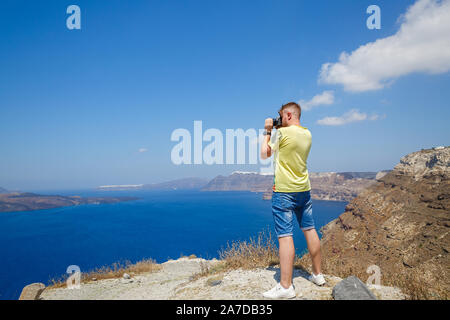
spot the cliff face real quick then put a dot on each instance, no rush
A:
(339, 186)
(400, 223)
(238, 181)
(335, 186)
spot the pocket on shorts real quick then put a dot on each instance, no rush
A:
(282, 210)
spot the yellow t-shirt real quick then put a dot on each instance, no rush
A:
(290, 147)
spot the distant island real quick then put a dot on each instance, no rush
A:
(179, 184)
(3, 190)
(332, 186)
(241, 181)
(26, 201)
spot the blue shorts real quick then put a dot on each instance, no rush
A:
(284, 205)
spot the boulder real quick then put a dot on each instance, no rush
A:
(352, 288)
(32, 291)
(380, 175)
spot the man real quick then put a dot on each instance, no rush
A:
(291, 194)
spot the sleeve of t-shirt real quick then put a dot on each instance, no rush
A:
(274, 142)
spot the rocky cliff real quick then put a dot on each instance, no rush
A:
(342, 186)
(240, 181)
(401, 223)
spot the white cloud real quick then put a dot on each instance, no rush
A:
(325, 98)
(422, 44)
(141, 150)
(351, 116)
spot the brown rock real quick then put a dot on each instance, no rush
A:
(32, 291)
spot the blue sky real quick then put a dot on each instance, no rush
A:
(76, 106)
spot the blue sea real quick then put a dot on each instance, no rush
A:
(36, 246)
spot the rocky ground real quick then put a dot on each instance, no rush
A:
(176, 281)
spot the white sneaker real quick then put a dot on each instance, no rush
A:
(278, 292)
(317, 279)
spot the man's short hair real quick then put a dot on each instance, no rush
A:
(292, 107)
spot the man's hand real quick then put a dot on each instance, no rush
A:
(268, 125)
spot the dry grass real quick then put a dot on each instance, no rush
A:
(255, 253)
(116, 270)
(416, 287)
(192, 256)
(301, 265)
(205, 270)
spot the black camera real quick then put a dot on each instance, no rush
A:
(277, 122)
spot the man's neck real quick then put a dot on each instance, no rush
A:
(294, 123)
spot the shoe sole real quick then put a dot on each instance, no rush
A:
(317, 284)
(291, 297)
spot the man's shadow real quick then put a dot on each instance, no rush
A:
(297, 272)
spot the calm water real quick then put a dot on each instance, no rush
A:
(36, 246)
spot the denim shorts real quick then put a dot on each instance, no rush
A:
(284, 205)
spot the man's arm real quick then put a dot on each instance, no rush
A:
(266, 151)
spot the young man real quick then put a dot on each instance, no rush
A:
(291, 195)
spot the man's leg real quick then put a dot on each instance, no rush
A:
(312, 239)
(287, 255)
